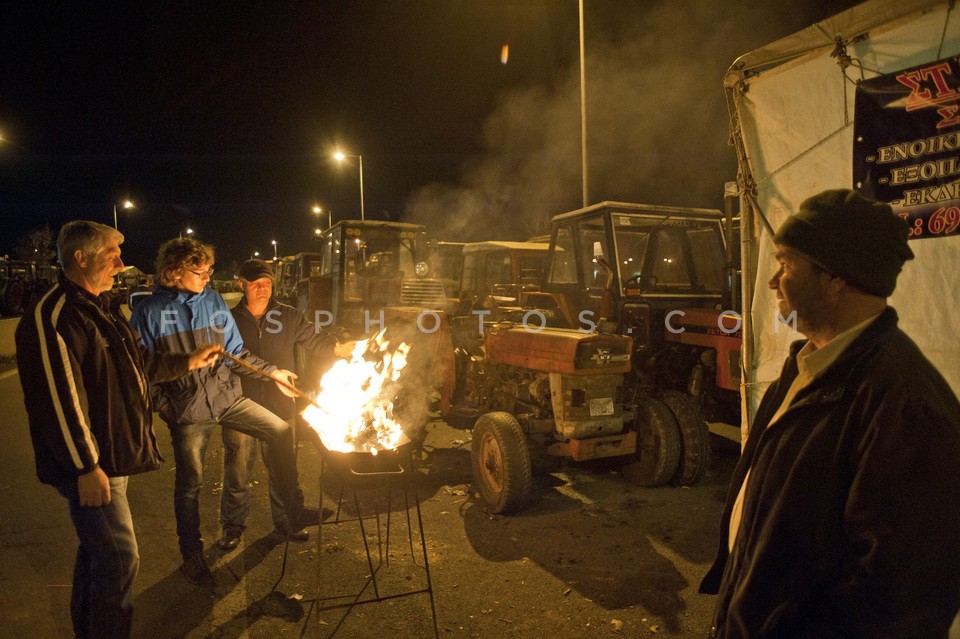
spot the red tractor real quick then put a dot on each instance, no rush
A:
(628, 343)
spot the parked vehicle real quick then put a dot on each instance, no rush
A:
(362, 268)
(496, 273)
(620, 352)
(369, 275)
(447, 261)
(22, 282)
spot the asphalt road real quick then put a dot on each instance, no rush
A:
(592, 557)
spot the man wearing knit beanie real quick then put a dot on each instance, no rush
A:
(843, 516)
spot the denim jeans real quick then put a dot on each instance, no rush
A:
(239, 456)
(101, 603)
(190, 447)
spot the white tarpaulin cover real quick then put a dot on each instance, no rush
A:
(792, 119)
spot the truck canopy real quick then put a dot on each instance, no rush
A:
(791, 109)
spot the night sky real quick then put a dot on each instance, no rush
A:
(221, 116)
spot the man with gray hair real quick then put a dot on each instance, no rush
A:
(843, 515)
(85, 379)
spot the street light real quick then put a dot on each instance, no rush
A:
(318, 211)
(583, 112)
(127, 204)
(274, 242)
(189, 232)
(340, 156)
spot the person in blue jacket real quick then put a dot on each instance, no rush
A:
(182, 312)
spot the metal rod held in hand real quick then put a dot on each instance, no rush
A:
(267, 376)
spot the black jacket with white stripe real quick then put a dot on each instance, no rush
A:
(84, 375)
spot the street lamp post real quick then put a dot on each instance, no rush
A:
(318, 211)
(583, 112)
(340, 156)
(127, 204)
(188, 231)
(274, 242)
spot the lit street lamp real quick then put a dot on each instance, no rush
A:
(127, 204)
(274, 242)
(339, 156)
(318, 211)
(188, 233)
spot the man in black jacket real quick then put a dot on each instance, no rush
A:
(843, 516)
(85, 380)
(273, 331)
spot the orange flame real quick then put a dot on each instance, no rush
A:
(355, 398)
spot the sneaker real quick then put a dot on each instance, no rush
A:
(195, 569)
(229, 541)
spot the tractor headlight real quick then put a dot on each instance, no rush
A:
(421, 269)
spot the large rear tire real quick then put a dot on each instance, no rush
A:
(501, 462)
(694, 438)
(658, 445)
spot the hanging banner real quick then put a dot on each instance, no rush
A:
(906, 148)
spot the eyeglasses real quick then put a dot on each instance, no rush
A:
(208, 272)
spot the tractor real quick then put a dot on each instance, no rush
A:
(624, 348)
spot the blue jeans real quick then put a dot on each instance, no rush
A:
(239, 456)
(190, 447)
(101, 603)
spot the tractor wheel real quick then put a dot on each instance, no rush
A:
(694, 438)
(501, 462)
(658, 445)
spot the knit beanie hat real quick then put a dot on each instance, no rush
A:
(852, 237)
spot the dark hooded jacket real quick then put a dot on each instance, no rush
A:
(275, 337)
(851, 518)
(85, 379)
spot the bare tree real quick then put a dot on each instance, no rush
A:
(37, 245)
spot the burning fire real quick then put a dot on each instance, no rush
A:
(354, 411)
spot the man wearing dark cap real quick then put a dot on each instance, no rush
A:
(843, 517)
(272, 331)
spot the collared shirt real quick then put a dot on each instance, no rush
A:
(811, 362)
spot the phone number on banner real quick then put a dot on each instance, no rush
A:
(942, 222)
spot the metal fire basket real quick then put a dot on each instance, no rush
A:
(364, 473)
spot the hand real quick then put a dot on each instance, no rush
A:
(204, 355)
(286, 377)
(344, 350)
(94, 488)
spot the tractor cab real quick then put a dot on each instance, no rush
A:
(363, 267)
(660, 275)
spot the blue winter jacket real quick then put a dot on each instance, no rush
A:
(175, 321)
